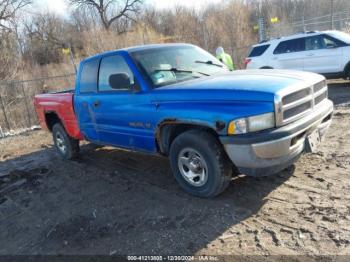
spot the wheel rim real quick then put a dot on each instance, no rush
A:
(193, 167)
(60, 142)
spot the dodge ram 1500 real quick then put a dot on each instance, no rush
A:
(179, 101)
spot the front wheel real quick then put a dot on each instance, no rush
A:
(200, 164)
(66, 146)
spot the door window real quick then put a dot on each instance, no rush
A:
(329, 42)
(315, 43)
(332, 42)
(113, 65)
(290, 46)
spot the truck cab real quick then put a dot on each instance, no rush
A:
(179, 101)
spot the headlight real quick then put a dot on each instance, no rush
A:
(251, 124)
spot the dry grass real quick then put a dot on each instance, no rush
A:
(18, 105)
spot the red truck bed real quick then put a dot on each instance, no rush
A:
(61, 105)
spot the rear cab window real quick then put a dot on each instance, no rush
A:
(290, 46)
(88, 76)
(258, 50)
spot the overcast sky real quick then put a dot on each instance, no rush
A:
(60, 6)
(56, 6)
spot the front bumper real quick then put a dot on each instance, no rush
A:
(266, 153)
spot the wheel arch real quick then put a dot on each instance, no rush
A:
(347, 70)
(52, 118)
(169, 129)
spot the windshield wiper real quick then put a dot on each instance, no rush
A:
(208, 63)
(180, 71)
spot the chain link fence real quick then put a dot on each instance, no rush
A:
(16, 101)
(337, 21)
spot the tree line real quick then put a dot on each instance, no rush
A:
(38, 40)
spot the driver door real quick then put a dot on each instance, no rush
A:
(122, 112)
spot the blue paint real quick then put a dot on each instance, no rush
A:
(130, 119)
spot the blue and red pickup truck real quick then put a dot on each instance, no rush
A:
(179, 101)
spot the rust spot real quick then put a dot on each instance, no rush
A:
(220, 125)
(165, 122)
(159, 133)
(168, 121)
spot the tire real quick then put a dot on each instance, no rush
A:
(347, 72)
(66, 146)
(266, 67)
(199, 164)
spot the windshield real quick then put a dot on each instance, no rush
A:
(173, 64)
(341, 36)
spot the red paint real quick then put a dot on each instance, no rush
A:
(62, 105)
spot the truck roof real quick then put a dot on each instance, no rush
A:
(153, 46)
(137, 48)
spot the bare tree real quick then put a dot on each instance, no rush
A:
(111, 11)
(45, 36)
(9, 58)
(8, 55)
(8, 10)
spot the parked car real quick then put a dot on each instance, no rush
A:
(326, 53)
(178, 101)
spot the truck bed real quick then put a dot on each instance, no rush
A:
(59, 104)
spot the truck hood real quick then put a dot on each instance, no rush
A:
(243, 85)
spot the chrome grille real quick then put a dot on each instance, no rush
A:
(320, 98)
(293, 103)
(295, 96)
(296, 110)
(319, 86)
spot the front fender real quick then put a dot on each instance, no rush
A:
(214, 115)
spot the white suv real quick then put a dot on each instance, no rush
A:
(326, 53)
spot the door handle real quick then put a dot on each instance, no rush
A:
(311, 54)
(96, 103)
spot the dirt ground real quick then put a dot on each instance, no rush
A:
(116, 202)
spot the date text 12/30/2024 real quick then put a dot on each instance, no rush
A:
(172, 258)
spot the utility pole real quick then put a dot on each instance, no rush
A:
(332, 14)
(304, 27)
(261, 24)
(262, 31)
(204, 32)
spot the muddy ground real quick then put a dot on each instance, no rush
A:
(116, 202)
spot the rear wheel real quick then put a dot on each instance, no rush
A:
(200, 164)
(66, 146)
(346, 75)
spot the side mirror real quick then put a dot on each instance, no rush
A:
(119, 81)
